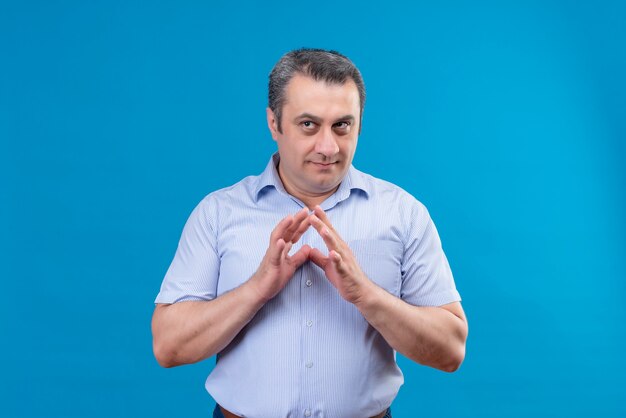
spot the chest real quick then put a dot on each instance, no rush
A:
(374, 239)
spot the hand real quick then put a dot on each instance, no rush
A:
(340, 266)
(277, 266)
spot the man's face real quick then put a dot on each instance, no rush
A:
(320, 126)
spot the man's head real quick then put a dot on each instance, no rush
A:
(321, 65)
(314, 115)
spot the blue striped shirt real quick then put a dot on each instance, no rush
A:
(308, 352)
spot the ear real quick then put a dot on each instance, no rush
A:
(272, 123)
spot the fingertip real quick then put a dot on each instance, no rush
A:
(306, 250)
(299, 214)
(316, 257)
(286, 221)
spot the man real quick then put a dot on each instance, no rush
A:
(308, 324)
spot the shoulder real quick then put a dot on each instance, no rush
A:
(239, 192)
(399, 211)
(222, 202)
(389, 194)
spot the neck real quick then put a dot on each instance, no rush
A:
(309, 199)
(311, 202)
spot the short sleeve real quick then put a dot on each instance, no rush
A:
(426, 276)
(194, 271)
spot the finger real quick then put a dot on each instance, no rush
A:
(300, 256)
(297, 220)
(285, 252)
(326, 234)
(318, 258)
(322, 216)
(319, 212)
(280, 229)
(304, 225)
(275, 251)
(337, 261)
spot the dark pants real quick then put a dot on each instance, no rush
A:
(218, 414)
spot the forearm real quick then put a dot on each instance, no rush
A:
(188, 332)
(432, 336)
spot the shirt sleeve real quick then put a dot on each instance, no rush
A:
(194, 271)
(426, 276)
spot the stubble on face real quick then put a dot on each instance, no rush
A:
(320, 127)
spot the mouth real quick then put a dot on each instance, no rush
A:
(323, 165)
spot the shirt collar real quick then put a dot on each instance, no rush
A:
(354, 180)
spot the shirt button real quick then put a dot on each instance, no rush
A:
(309, 364)
(309, 283)
(309, 323)
(307, 413)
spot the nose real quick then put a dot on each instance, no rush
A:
(326, 143)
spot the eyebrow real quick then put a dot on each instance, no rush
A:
(308, 116)
(317, 119)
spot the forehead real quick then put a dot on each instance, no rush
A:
(304, 94)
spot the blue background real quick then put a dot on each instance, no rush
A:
(507, 120)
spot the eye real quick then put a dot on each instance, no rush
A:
(342, 126)
(308, 125)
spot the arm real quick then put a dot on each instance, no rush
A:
(433, 336)
(188, 332)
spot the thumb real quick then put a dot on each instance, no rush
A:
(318, 258)
(300, 256)
(275, 251)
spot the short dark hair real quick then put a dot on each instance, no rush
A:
(320, 64)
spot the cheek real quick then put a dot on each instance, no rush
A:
(348, 147)
(294, 154)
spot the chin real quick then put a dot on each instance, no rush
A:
(326, 186)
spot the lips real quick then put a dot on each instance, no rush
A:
(323, 166)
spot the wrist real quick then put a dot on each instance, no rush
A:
(254, 291)
(368, 295)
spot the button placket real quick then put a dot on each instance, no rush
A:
(307, 312)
